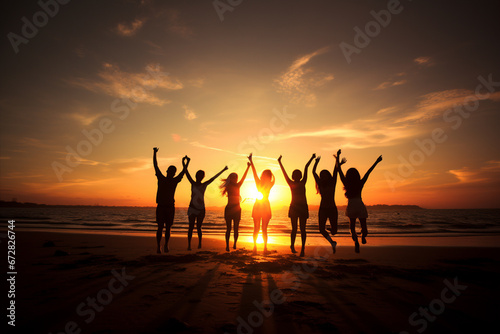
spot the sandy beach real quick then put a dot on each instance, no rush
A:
(99, 283)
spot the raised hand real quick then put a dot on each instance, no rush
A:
(225, 169)
(250, 157)
(379, 159)
(318, 158)
(313, 156)
(338, 152)
(344, 160)
(248, 164)
(279, 159)
(155, 149)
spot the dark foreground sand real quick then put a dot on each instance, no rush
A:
(95, 283)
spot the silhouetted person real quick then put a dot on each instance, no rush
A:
(298, 210)
(325, 186)
(353, 185)
(165, 210)
(196, 210)
(262, 208)
(232, 212)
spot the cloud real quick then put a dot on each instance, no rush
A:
(484, 174)
(358, 134)
(388, 110)
(130, 29)
(189, 113)
(198, 83)
(197, 144)
(176, 25)
(37, 143)
(388, 84)
(434, 104)
(423, 61)
(388, 127)
(176, 137)
(84, 116)
(297, 83)
(135, 86)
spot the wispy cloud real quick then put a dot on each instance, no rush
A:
(388, 110)
(298, 82)
(486, 173)
(84, 115)
(433, 105)
(423, 61)
(37, 143)
(358, 134)
(176, 25)
(176, 137)
(388, 84)
(130, 29)
(197, 144)
(189, 113)
(135, 86)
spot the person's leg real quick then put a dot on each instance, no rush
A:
(293, 233)
(236, 233)
(256, 228)
(228, 232)
(191, 220)
(334, 218)
(159, 231)
(265, 222)
(322, 218)
(364, 230)
(168, 225)
(352, 227)
(303, 236)
(160, 217)
(199, 223)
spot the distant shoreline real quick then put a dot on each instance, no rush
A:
(13, 204)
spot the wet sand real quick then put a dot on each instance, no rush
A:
(100, 283)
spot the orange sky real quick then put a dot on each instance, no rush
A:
(84, 102)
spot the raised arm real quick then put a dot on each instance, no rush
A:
(287, 179)
(336, 168)
(363, 180)
(185, 164)
(339, 167)
(155, 162)
(244, 175)
(316, 177)
(185, 168)
(255, 176)
(304, 177)
(216, 176)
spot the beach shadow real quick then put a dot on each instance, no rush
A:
(175, 319)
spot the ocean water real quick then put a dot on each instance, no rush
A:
(390, 222)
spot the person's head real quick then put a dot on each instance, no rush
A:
(200, 175)
(171, 171)
(296, 175)
(352, 182)
(267, 176)
(324, 178)
(231, 179)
